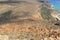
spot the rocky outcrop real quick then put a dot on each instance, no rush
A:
(56, 14)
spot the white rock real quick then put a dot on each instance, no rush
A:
(46, 38)
(58, 38)
(51, 38)
(4, 37)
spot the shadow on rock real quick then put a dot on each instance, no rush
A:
(6, 17)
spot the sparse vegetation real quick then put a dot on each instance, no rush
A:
(45, 12)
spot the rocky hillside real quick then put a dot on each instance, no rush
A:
(20, 11)
(27, 21)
